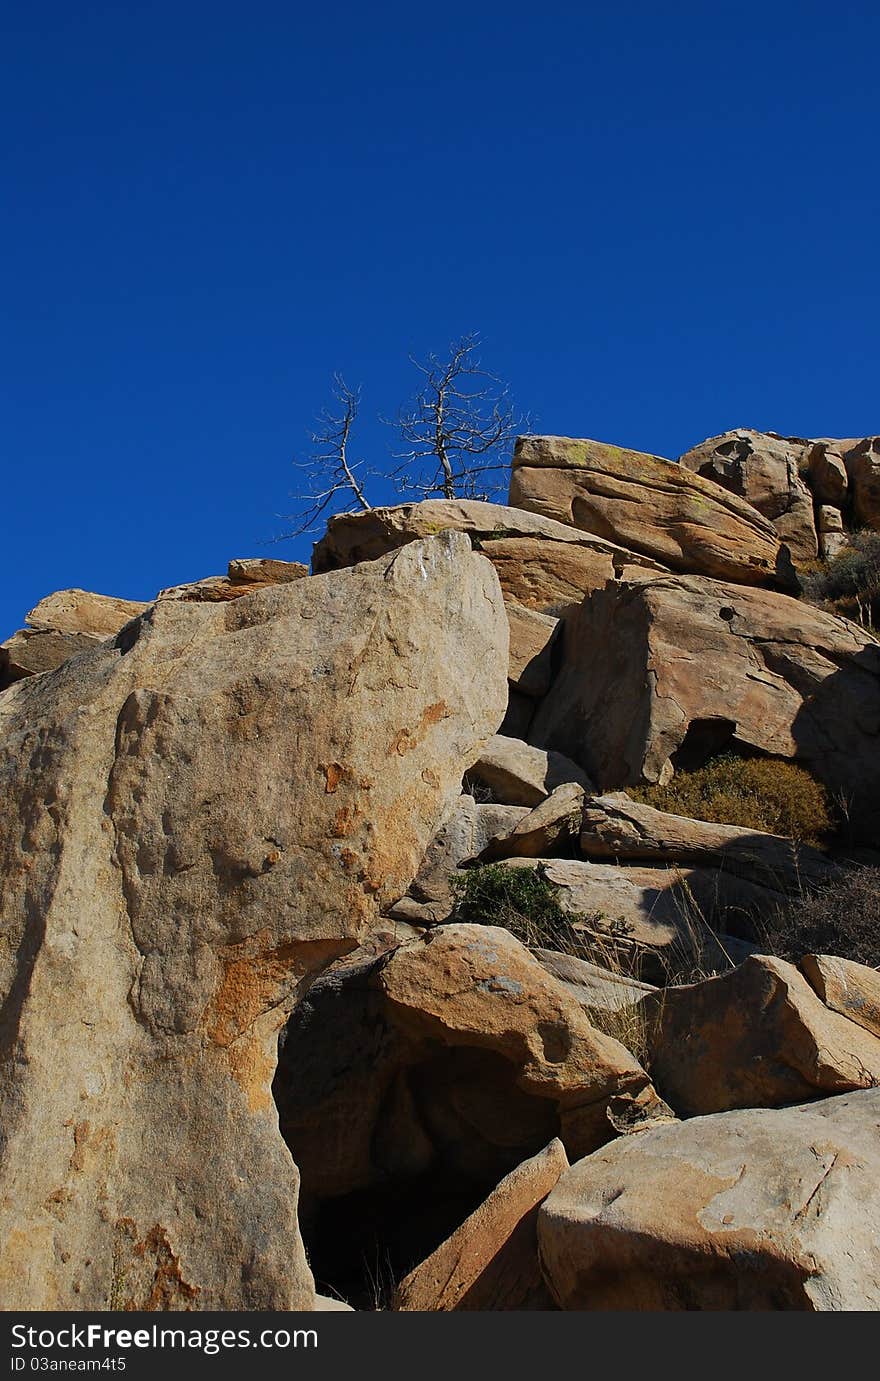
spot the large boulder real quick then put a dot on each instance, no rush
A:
(846, 987)
(764, 469)
(615, 826)
(198, 815)
(519, 774)
(709, 1053)
(648, 505)
(33, 650)
(761, 1209)
(453, 1055)
(657, 922)
(654, 673)
(826, 471)
(81, 611)
(863, 469)
(491, 1261)
(243, 577)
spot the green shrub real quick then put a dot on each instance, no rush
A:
(520, 899)
(850, 584)
(767, 794)
(841, 918)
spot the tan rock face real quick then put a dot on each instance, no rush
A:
(521, 775)
(863, 469)
(549, 828)
(80, 611)
(763, 469)
(194, 820)
(653, 670)
(243, 577)
(532, 635)
(456, 1054)
(649, 917)
(32, 650)
(761, 1209)
(846, 987)
(710, 1054)
(548, 574)
(648, 505)
(597, 989)
(616, 826)
(491, 1261)
(827, 471)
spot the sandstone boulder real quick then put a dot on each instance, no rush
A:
(521, 775)
(710, 1053)
(532, 635)
(466, 831)
(826, 471)
(491, 1261)
(32, 650)
(763, 469)
(648, 505)
(683, 667)
(656, 922)
(846, 987)
(863, 469)
(195, 819)
(551, 827)
(455, 1055)
(762, 1210)
(615, 826)
(599, 990)
(81, 611)
(243, 577)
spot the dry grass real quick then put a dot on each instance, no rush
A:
(842, 918)
(767, 794)
(850, 584)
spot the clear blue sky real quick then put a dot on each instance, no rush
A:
(663, 219)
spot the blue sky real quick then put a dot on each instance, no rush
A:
(662, 220)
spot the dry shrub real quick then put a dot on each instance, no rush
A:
(767, 794)
(850, 584)
(841, 918)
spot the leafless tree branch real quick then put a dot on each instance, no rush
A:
(330, 475)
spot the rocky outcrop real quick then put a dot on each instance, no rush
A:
(81, 611)
(33, 650)
(615, 826)
(454, 1055)
(863, 470)
(648, 505)
(243, 577)
(551, 827)
(683, 665)
(658, 921)
(763, 469)
(846, 987)
(198, 815)
(826, 471)
(757, 1210)
(598, 990)
(521, 775)
(465, 833)
(532, 635)
(710, 1054)
(491, 1261)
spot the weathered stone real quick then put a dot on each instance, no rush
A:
(846, 987)
(547, 574)
(657, 921)
(454, 1055)
(597, 989)
(530, 667)
(761, 1210)
(521, 775)
(615, 826)
(553, 825)
(827, 474)
(467, 829)
(763, 469)
(828, 519)
(648, 505)
(243, 577)
(32, 650)
(196, 817)
(863, 468)
(833, 544)
(81, 611)
(710, 1054)
(491, 1261)
(682, 666)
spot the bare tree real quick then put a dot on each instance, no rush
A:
(331, 474)
(457, 429)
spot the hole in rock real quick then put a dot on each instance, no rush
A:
(705, 739)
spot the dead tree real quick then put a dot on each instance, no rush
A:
(457, 430)
(331, 476)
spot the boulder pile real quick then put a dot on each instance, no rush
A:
(342, 921)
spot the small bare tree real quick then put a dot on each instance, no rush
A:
(331, 474)
(458, 428)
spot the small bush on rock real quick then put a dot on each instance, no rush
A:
(842, 918)
(850, 584)
(767, 794)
